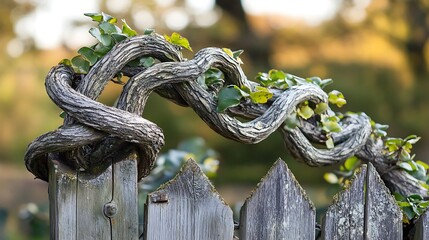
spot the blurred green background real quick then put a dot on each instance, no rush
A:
(376, 51)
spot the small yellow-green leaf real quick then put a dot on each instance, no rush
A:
(178, 40)
(305, 111)
(321, 108)
(261, 95)
(329, 143)
(423, 164)
(127, 30)
(330, 178)
(228, 51)
(80, 65)
(337, 98)
(97, 17)
(351, 163)
(66, 62)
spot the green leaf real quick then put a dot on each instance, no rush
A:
(109, 28)
(337, 98)
(275, 74)
(261, 95)
(80, 65)
(351, 163)
(147, 61)
(127, 30)
(106, 40)
(405, 166)
(97, 17)
(118, 37)
(235, 55)
(108, 18)
(305, 111)
(88, 54)
(228, 97)
(330, 178)
(178, 40)
(329, 143)
(95, 32)
(423, 164)
(399, 197)
(321, 108)
(63, 114)
(101, 50)
(148, 31)
(330, 124)
(66, 62)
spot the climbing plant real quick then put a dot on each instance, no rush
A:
(213, 84)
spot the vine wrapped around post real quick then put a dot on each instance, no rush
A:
(93, 133)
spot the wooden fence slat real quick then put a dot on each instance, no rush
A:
(186, 208)
(344, 219)
(125, 196)
(422, 227)
(383, 215)
(278, 208)
(92, 194)
(364, 210)
(62, 201)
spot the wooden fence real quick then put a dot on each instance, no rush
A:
(188, 207)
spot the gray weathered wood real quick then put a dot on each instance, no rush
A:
(93, 192)
(344, 219)
(188, 208)
(383, 217)
(278, 208)
(364, 210)
(62, 201)
(125, 195)
(84, 206)
(422, 227)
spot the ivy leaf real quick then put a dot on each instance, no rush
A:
(330, 178)
(275, 74)
(101, 50)
(405, 166)
(337, 98)
(88, 54)
(423, 164)
(66, 62)
(109, 28)
(228, 97)
(97, 17)
(80, 65)
(178, 40)
(235, 55)
(351, 163)
(305, 111)
(321, 108)
(106, 40)
(329, 143)
(108, 18)
(118, 37)
(261, 95)
(127, 30)
(148, 31)
(95, 32)
(147, 62)
(330, 124)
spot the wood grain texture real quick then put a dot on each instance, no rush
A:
(383, 217)
(188, 208)
(422, 227)
(62, 201)
(344, 219)
(364, 210)
(278, 208)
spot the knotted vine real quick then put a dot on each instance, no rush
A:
(213, 84)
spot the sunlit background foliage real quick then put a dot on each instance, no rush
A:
(376, 51)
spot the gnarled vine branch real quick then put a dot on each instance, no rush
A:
(93, 133)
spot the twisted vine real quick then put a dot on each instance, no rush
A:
(94, 135)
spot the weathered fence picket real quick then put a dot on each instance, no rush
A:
(278, 208)
(365, 210)
(88, 206)
(84, 206)
(188, 207)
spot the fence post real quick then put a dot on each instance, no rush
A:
(85, 206)
(188, 207)
(278, 208)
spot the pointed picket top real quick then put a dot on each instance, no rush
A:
(364, 210)
(384, 217)
(278, 208)
(344, 219)
(188, 207)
